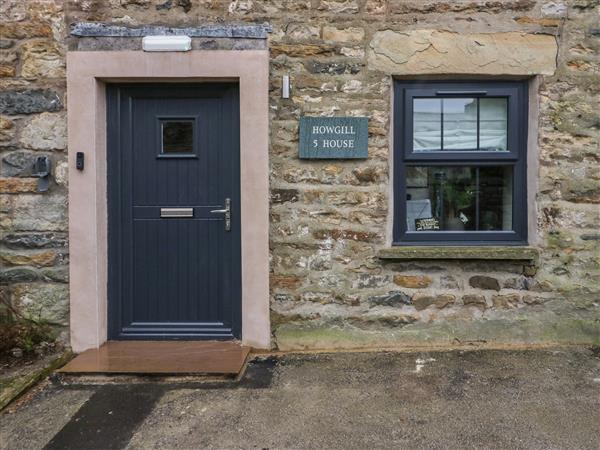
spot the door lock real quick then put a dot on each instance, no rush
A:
(227, 212)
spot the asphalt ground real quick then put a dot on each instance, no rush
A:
(483, 399)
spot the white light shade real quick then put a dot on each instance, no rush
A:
(167, 43)
(285, 87)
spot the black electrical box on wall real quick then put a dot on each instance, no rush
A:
(79, 157)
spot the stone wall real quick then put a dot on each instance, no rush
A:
(329, 219)
(34, 253)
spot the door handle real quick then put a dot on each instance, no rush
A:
(227, 212)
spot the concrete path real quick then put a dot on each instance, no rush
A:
(546, 399)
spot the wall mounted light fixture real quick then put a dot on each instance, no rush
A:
(285, 87)
(166, 43)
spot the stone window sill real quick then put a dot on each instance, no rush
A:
(496, 253)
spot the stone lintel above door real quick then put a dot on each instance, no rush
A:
(91, 36)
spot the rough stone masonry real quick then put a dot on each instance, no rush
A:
(329, 219)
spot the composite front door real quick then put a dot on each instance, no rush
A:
(173, 211)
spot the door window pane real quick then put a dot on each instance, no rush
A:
(459, 198)
(427, 124)
(460, 123)
(177, 136)
(493, 124)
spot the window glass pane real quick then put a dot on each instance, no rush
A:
(427, 124)
(493, 124)
(177, 136)
(460, 123)
(459, 198)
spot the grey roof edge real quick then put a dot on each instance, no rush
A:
(247, 31)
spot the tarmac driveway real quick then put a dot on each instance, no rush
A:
(542, 399)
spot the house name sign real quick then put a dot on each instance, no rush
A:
(334, 138)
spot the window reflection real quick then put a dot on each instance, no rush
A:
(493, 117)
(427, 126)
(460, 124)
(460, 198)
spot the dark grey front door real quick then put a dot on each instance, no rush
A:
(173, 211)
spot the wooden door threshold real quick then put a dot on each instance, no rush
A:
(161, 357)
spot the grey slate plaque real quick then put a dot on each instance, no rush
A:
(334, 138)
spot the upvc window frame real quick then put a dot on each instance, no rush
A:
(516, 156)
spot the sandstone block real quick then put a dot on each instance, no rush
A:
(413, 281)
(46, 132)
(581, 190)
(368, 217)
(516, 283)
(362, 236)
(505, 301)
(385, 320)
(14, 30)
(541, 286)
(29, 101)
(375, 6)
(544, 22)
(300, 50)
(241, 7)
(18, 185)
(323, 298)
(300, 31)
(61, 173)
(444, 300)
(484, 282)
(352, 34)
(533, 299)
(339, 6)
(7, 70)
(42, 60)
(8, 57)
(352, 86)
(369, 174)
(474, 300)
(285, 281)
(43, 301)
(32, 258)
(443, 52)
(7, 129)
(347, 198)
(298, 5)
(423, 301)
(352, 52)
(448, 6)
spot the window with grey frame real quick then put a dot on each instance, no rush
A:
(460, 163)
